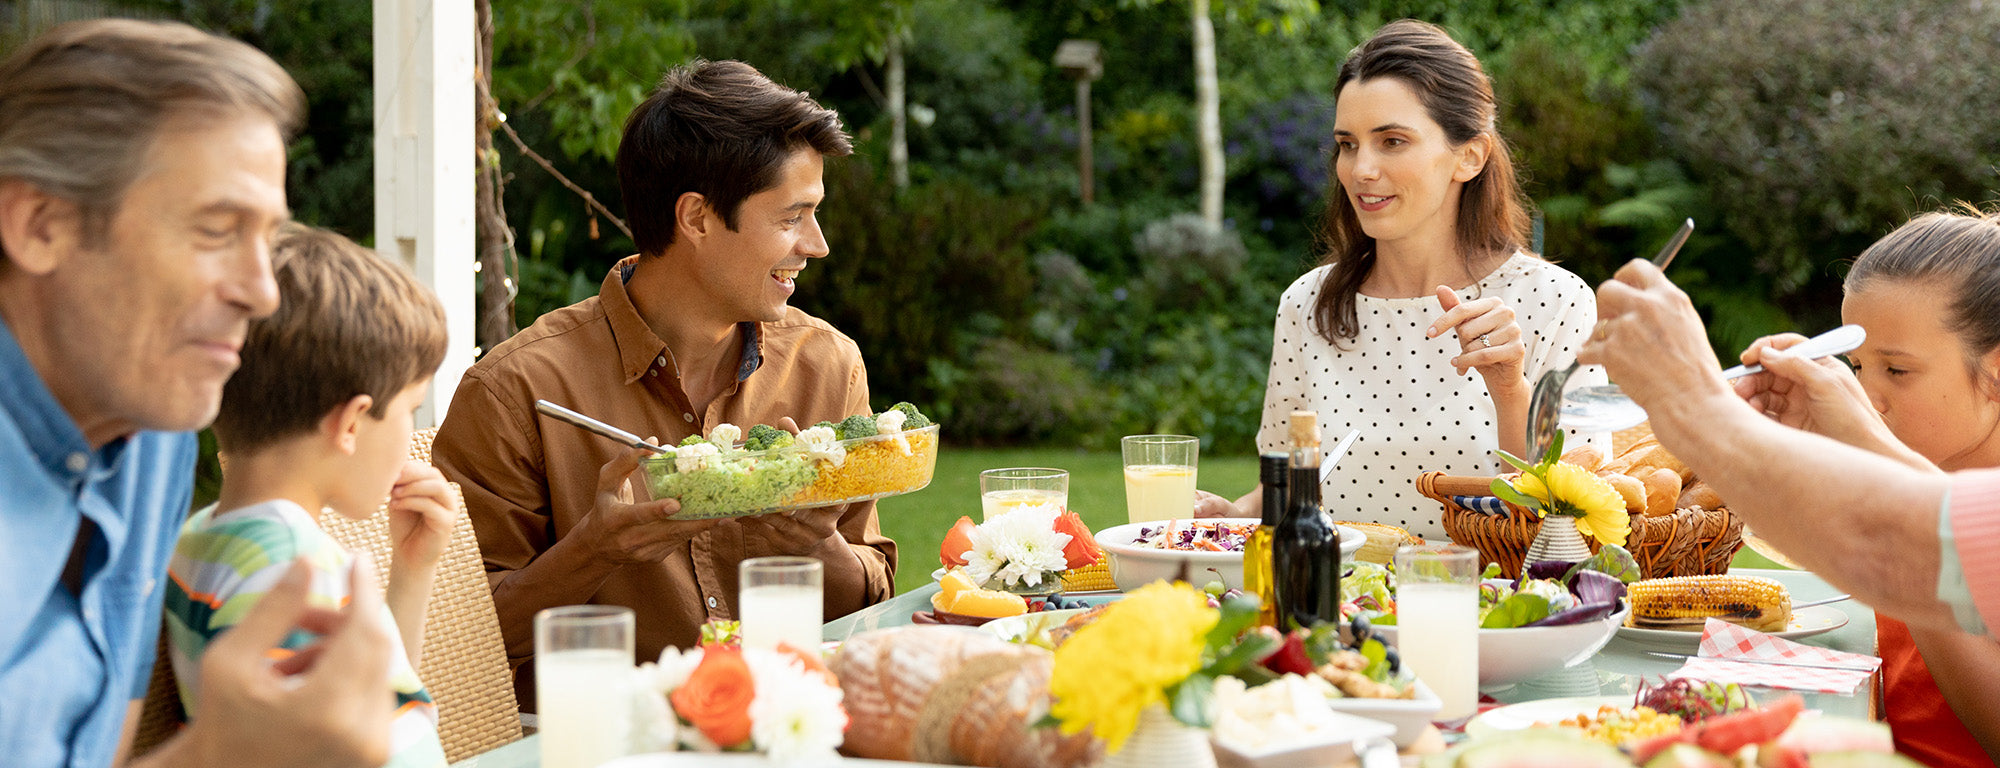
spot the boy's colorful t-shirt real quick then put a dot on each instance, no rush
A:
(225, 563)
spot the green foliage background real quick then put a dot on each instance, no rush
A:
(1794, 131)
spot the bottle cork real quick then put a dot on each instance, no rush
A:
(1304, 430)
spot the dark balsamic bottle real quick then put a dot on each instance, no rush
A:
(1305, 550)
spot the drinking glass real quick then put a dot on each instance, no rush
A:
(778, 601)
(583, 694)
(1159, 476)
(1005, 490)
(1437, 617)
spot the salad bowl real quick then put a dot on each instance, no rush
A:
(1136, 563)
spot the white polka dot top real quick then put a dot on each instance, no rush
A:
(1415, 413)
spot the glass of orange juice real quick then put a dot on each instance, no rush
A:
(1005, 490)
(1159, 476)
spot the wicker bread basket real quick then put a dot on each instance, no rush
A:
(1689, 542)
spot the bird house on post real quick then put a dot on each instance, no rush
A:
(1082, 61)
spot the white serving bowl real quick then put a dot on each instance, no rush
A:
(1410, 716)
(1509, 656)
(1332, 745)
(1134, 566)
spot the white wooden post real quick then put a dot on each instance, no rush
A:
(423, 164)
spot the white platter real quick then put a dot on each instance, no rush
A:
(1806, 622)
(1515, 717)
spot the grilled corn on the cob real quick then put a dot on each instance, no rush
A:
(1686, 602)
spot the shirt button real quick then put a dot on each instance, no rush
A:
(655, 373)
(687, 417)
(659, 361)
(90, 614)
(711, 602)
(150, 584)
(77, 462)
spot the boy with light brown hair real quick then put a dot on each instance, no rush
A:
(319, 418)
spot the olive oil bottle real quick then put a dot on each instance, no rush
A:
(1258, 578)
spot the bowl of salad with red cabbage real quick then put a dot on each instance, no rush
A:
(1556, 615)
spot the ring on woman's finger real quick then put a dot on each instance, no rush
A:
(1484, 341)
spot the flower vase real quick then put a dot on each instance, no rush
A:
(1557, 540)
(1159, 740)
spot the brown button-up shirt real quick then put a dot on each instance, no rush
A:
(529, 479)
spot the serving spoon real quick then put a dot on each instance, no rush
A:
(1544, 405)
(1605, 407)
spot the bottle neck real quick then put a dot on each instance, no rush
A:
(1302, 491)
(1305, 457)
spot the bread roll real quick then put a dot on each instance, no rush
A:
(1632, 489)
(1663, 490)
(1585, 456)
(1655, 456)
(1698, 494)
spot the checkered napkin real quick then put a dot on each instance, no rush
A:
(1773, 662)
(1485, 505)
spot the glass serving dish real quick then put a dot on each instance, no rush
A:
(738, 483)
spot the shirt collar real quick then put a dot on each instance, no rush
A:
(639, 349)
(48, 429)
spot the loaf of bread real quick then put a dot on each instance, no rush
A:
(952, 695)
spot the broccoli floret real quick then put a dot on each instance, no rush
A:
(828, 425)
(764, 436)
(915, 420)
(693, 440)
(858, 425)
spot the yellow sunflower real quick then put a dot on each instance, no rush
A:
(1128, 658)
(1562, 488)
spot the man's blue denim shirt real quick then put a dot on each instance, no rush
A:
(70, 664)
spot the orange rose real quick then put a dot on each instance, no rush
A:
(716, 697)
(1082, 549)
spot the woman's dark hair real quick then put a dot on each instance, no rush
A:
(1957, 252)
(1456, 94)
(720, 129)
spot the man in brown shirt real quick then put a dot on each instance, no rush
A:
(721, 174)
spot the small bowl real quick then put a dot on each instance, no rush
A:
(1410, 716)
(1509, 656)
(1331, 745)
(1134, 566)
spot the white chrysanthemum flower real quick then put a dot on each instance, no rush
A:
(693, 458)
(795, 715)
(1020, 547)
(674, 667)
(725, 435)
(654, 725)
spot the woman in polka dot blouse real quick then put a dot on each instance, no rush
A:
(1426, 283)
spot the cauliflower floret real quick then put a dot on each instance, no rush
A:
(725, 435)
(890, 422)
(693, 458)
(822, 444)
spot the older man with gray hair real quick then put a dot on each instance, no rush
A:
(142, 170)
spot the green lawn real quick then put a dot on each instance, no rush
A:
(918, 521)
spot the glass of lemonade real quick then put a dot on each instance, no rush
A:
(583, 672)
(778, 601)
(1004, 490)
(1159, 476)
(1437, 612)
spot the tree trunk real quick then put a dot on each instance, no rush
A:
(899, 114)
(1208, 115)
(496, 239)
